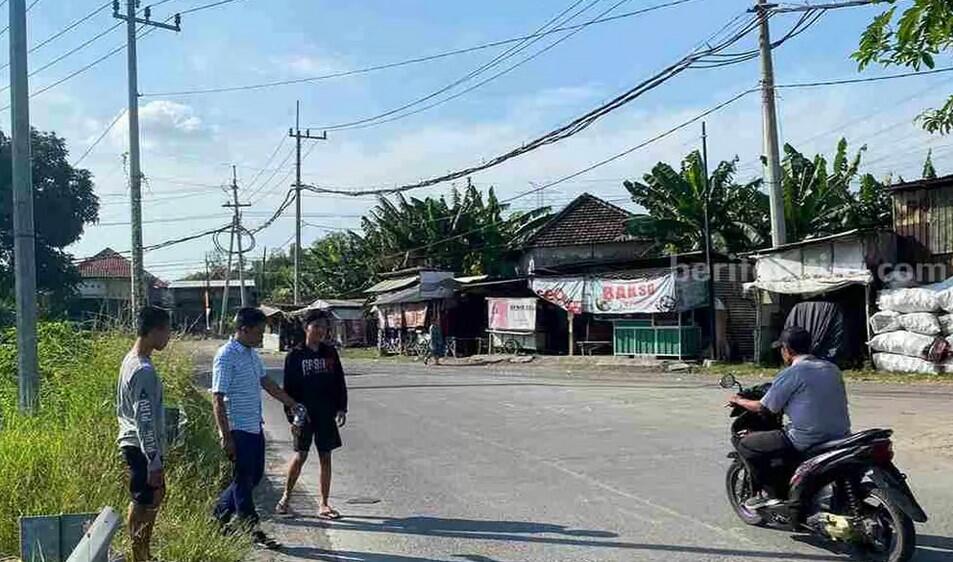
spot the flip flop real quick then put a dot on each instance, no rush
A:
(284, 509)
(262, 540)
(330, 515)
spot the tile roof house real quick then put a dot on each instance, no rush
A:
(588, 229)
(106, 285)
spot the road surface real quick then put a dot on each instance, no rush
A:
(495, 464)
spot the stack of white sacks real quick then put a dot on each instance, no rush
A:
(910, 329)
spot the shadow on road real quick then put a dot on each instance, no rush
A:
(931, 548)
(534, 384)
(513, 531)
(307, 553)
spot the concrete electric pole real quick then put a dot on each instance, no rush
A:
(237, 234)
(24, 235)
(772, 152)
(140, 294)
(296, 134)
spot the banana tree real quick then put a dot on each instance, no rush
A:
(675, 204)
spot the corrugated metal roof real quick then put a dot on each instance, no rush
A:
(270, 311)
(336, 303)
(471, 279)
(389, 285)
(348, 313)
(413, 294)
(214, 283)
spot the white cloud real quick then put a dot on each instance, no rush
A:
(165, 125)
(307, 65)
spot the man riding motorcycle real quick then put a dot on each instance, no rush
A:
(810, 391)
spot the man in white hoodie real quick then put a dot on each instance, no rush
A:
(142, 438)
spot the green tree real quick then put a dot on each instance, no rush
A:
(929, 172)
(467, 234)
(674, 201)
(64, 203)
(337, 266)
(913, 39)
(817, 201)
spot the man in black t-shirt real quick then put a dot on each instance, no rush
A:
(314, 377)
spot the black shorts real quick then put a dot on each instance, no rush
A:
(322, 431)
(138, 467)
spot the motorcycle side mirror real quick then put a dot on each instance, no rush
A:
(728, 381)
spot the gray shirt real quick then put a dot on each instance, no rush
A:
(139, 409)
(811, 392)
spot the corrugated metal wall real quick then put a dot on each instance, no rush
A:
(923, 219)
(741, 308)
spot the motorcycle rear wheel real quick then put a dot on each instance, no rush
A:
(738, 486)
(899, 536)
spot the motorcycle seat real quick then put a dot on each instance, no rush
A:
(849, 441)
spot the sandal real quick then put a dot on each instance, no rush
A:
(282, 508)
(330, 515)
(262, 540)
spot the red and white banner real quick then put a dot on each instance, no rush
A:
(565, 292)
(650, 295)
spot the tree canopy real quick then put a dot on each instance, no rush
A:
(820, 198)
(913, 38)
(469, 232)
(64, 203)
(674, 201)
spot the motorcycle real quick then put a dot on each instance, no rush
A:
(847, 491)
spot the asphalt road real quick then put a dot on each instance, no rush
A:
(505, 465)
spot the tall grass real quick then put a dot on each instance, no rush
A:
(65, 460)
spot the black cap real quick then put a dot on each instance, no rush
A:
(796, 338)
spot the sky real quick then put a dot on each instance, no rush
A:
(191, 142)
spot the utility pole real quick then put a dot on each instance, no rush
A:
(237, 234)
(261, 274)
(24, 235)
(712, 321)
(772, 152)
(296, 134)
(208, 297)
(228, 276)
(139, 293)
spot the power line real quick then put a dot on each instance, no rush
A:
(84, 68)
(205, 7)
(28, 8)
(862, 80)
(99, 139)
(406, 62)
(495, 61)
(599, 164)
(65, 30)
(573, 127)
(114, 51)
(264, 168)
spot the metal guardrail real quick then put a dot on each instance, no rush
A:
(81, 537)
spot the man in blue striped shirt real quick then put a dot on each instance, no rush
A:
(238, 376)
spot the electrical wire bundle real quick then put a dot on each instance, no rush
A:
(704, 57)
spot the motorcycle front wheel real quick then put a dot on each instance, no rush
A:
(738, 486)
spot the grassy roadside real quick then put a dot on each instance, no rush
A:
(746, 372)
(65, 460)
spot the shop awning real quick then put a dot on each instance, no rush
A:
(389, 285)
(348, 313)
(814, 267)
(415, 294)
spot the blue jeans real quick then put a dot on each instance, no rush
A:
(247, 471)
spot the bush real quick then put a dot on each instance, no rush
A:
(65, 460)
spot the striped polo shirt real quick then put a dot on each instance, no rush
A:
(236, 373)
